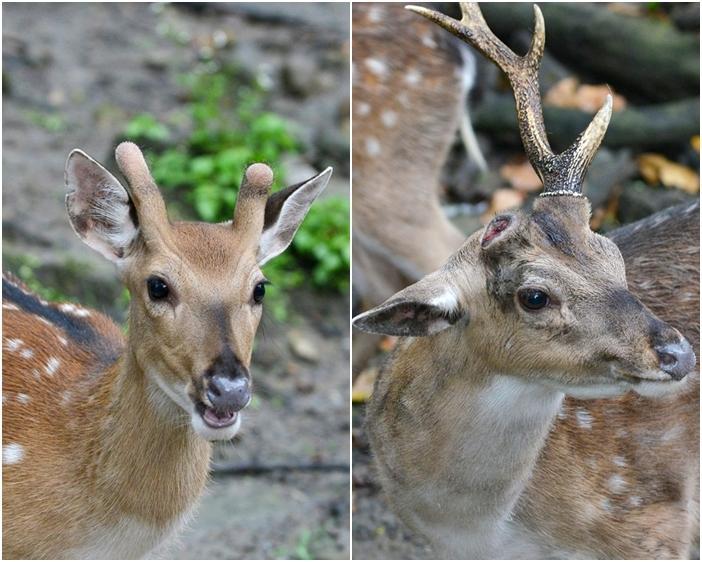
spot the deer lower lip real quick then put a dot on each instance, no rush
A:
(216, 419)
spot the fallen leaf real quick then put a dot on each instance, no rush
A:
(695, 142)
(363, 386)
(521, 176)
(502, 200)
(568, 92)
(387, 343)
(655, 168)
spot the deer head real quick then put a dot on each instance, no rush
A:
(196, 288)
(538, 294)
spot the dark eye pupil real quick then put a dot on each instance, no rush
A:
(259, 292)
(533, 299)
(158, 289)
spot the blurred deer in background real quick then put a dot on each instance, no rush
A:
(410, 88)
(409, 95)
(106, 441)
(505, 426)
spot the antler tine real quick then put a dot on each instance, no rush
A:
(561, 174)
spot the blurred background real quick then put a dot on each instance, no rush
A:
(646, 55)
(205, 89)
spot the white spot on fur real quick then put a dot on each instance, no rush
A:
(362, 108)
(584, 418)
(634, 501)
(619, 460)
(372, 146)
(446, 300)
(376, 66)
(616, 483)
(23, 398)
(606, 505)
(375, 14)
(413, 77)
(9, 306)
(13, 344)
(389, 118)
(673, 433)
(12, 453)
(27, 353)
(62, 340)
(45, 321)
(428, 41)
(51, 365)
(69, 308)
(562, 412)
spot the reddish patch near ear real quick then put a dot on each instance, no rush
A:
(496, 227)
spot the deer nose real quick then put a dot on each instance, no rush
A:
(677, 359)
(228, 393)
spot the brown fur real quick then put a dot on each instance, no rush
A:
(559, 484)
(105, 442)
(400, 231)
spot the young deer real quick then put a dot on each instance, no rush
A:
(106, 441)
(504, 427)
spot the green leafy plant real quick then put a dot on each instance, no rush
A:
(228, 129)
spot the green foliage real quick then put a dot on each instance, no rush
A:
(228, 129)
(52, 122)
(25, 266)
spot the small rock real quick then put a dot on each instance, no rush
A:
(300, 75)
(303, 346)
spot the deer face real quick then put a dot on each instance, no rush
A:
(197, 289)
(543, 297)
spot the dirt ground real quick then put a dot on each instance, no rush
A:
(73, 74)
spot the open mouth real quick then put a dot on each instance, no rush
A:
(216, 419)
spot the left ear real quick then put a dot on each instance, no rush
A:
(285, 211)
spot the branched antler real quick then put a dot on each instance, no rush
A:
(562, 174)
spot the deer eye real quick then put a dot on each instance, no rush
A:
(259, 292)
(533, 299)
(158, 289)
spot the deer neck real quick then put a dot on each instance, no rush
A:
(472, 433)
(148, 463)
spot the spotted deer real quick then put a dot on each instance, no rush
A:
(410, 83)
(541, 403)
(106, 439)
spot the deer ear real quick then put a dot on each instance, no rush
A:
(99, 208)
(423, 309)
(498, 229)
(285, 211)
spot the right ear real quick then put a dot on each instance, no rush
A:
(99, 208)
(423, 309)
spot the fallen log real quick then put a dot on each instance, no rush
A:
(651, 127)
(641, 58)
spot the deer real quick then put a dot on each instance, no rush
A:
(106, 438)
(542, 400)
(401, 85)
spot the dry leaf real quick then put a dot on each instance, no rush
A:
(655, 168)
(568, 92)
(387, 343)
(502, 200)
(521, 176)
(695, 142)
(363, 386)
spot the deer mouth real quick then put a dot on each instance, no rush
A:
(214, 418)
